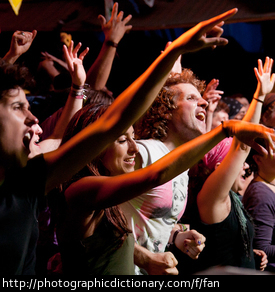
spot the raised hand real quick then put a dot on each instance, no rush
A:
(212, 95)
(248, 132)
(75, 63)
(116, 27)
(197, 37)
(20, 43)
(264, 77)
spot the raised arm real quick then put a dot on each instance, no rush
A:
(73, 103)
(20, 43)
(264, 86)
(114, 31)
(212, 96)
(213, 197)
(129, 105)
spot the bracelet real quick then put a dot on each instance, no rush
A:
(225, 130)
(77, 93)
(77, 87)
(175, 235)
(258, 99)
(111, 44)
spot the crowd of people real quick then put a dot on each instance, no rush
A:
(169, 177)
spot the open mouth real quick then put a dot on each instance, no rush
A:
(27, 140)
(201, 116)
(130, 160)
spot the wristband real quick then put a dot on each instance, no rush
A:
(77, 87)
(111, 44)
(258, 99)
(175, 235)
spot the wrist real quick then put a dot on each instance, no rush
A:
(225, 129)
(77, 91)
(110, 43)
(10, 57)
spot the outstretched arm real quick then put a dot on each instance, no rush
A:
(114, 31)
(99, 192)
(130, 104)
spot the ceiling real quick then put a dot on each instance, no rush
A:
(81, 15)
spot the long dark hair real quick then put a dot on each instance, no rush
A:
(85, 116)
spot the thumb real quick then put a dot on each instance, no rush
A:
(102, 20)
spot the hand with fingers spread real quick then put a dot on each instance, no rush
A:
(20, 43)
(116, 27)
(265, 79)
(75, 63)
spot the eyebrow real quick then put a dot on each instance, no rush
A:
(21, 103)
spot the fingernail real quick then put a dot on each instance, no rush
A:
(199, 242)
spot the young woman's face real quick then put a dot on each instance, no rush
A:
(119, 157)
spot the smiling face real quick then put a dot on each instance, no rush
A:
(15, 128)
(188, 119)
(119, 157)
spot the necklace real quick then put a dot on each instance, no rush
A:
(266, 181)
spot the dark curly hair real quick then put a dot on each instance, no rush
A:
(13, 77)
(154, 123)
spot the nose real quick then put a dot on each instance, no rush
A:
(245, 165)
(133, 147)
(37, 129)
(31, 119)
(203, 103)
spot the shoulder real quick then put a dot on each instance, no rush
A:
(151, 150)
(258, 197)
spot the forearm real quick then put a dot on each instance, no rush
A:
(188, 154)
(71, 107)
(98, 74)
(263, 240)
(10, 58)
(209, 119)
(253, 114)
(142, 256)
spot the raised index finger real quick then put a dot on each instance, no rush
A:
(210, 23)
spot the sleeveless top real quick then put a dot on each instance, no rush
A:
(99, 254)
(224, 244)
